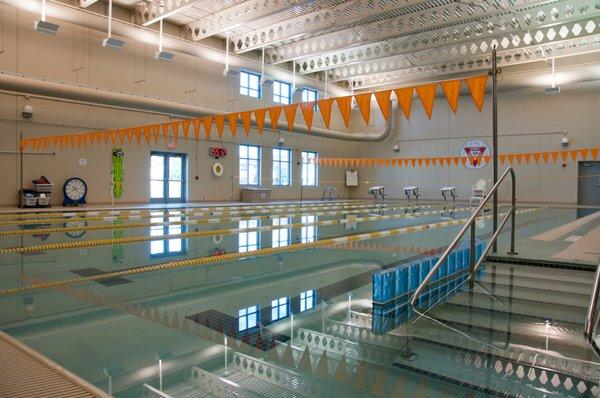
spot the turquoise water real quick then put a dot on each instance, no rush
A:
(119, 328)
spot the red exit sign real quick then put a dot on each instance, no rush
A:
(217, 152)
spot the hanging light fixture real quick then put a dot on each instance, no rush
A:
(110, 42)
(43, 26)
(162, 55)
(554, 89)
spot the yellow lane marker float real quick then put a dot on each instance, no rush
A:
(234, 256)
(195, 234)
(100, 227)
(76, 213)
(112, 218)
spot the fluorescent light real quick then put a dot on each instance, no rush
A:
(112, 43)
(231, 72)
(44, 27)
(554, 89)
(163, 56)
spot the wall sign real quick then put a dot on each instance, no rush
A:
(217, 152)
(475, 149)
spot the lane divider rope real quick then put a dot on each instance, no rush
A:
(221, 220)
(199, 261)
(195, 234)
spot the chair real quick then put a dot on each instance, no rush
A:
(478, 193)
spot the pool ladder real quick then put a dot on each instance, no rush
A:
(329, 192)
(592, 314)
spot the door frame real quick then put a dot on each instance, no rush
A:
(165, 198)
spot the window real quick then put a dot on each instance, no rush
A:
(282, 92)
(250, 84)
(250, 240)
(249, 165)
(280, 236)
(248, 318)
(308, 300)
(309, 95)
(167, 177)
(282, 161)
(280, 308)
(166, 247)
(310, 174)
(309, 232)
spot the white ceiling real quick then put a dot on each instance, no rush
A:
(370, 43)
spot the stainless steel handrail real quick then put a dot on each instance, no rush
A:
(590, 320)
(330, 189)
(471, 225)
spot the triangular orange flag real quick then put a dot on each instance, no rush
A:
(274, 113)
(307, 109)
(594, 152)
(545, 156)
(290, 115)
(584, 153)
(518, 157)
(426, 94)
(456, 159)
(451, 90)
(175, 127)
(427, 161)
(554, 155)
(137, 132)
(527, 157)
(197, 124)
(574, 155)
(405, 96)
(510, 158)
(246, 118)
(147, 133)
(185, 124)
(232, 119)
(207, 123)
(260, 114)
(220, 121)
(383, 100)
(501, 158)
(477, 87)
(564, 155)
(536, 157)
(325, 106)
(364, 104)
(344, 105)
(155, 132)
(165, 130)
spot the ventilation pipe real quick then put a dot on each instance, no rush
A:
(98, 22)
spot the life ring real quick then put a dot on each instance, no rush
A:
(217, 169)
(217, 239)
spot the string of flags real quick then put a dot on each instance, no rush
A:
(175, 129)
(503, 158)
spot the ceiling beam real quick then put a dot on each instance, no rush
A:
(538, 52)
(86, 3)
(472, 39)
(148, 13)
(232, 17)
(343, 14)
(421, 21)
(525, 18)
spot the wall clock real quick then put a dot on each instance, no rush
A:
(75, 192)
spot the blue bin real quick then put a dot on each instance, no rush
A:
(401, 281)
(413, 276)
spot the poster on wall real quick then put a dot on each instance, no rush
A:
(475, 149)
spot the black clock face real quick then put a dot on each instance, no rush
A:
(75, 189)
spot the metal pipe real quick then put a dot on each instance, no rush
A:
(590, 318)
(495, 140)
(91, 95)
(492, 239)
(509, 171)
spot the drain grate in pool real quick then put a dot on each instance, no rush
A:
(95, 271)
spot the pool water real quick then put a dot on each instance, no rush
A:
(299, 322)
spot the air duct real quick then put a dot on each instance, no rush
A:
(73, 15)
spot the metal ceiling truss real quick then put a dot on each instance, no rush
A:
(541, 52)
(386, 51)
(146, 13)
(235, 16)
(86, 3)
(422, 21)
(346, 13)
(509, 40)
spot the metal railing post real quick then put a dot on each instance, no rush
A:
(513, 223)
(590, 320)
(472, 254)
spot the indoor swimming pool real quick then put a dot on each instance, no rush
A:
(285, 300)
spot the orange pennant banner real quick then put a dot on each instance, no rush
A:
(260, 114)
(344, 106)
(426, 94)
(405, 96)
(307, 109)
(274, 113)
(207, 124)
(325, 106)
(451, 89)
(384, 101)
(290, 115)
(364, 104)
(246, 118)
(197, 123)
(477, 87)
(185, 124)
(220, 122)
(232, 119)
